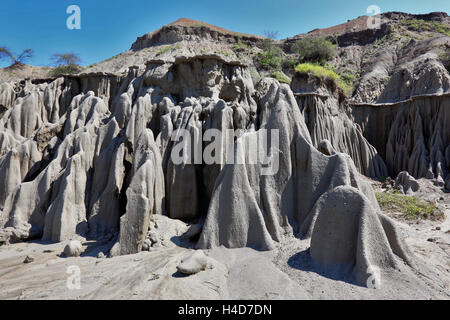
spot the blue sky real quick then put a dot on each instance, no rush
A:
(109, 27)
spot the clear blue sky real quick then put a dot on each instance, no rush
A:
(111, 26)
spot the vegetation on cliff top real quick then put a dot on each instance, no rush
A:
(67, 63)
(420, 25)
(325, 72)
(318, 50)
(271, 58)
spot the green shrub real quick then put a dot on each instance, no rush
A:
(281, 77)
(312, 49)
(271, 58)
(65, 70)
(67, 63)
(324, 72)
(411, 207)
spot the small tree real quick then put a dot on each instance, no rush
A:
(18, 60)
(24, 56)
(66, 63)
(5, 53)
(271, 58)
(271, 34)
(311, 49)
(66, 59)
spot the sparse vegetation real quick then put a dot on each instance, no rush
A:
(164, 50)
(67, 63)
(255, 76)
(110, 59)
(281, 77)
(64, 70)
(445, 58)
(317, 70)
(289, 65)
(271, 34)
(420, 25)
(223, 53)
(324, 72)
(65, 59)
(5, 53)
(409, 206)
(238, 45)
(317, 50)
(380, 41)
(349, 77)
(16, 60)
(199, 25)
(271, 57)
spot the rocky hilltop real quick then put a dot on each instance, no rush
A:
(89, 155)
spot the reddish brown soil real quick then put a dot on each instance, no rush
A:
(356, 25)
(186, 22)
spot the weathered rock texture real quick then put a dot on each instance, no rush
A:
(415, 136)
(325, 115)
(307, 195)
(193, 263)
(91, 154)
(79, 155)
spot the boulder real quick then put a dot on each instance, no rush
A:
(193, 263)
(406, 182)
(73, 249)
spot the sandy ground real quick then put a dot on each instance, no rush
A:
(284, 273)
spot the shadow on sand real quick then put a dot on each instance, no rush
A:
(303, 261)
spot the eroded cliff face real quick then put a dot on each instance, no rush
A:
(399, 103)
(79, 153)
(93, 157)
(324, 108)
(415, 135)
(92, 154)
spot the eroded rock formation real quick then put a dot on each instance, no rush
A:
(306, 196)
(324, 110)
(415, 136)
(80, 155)
(92, 155)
